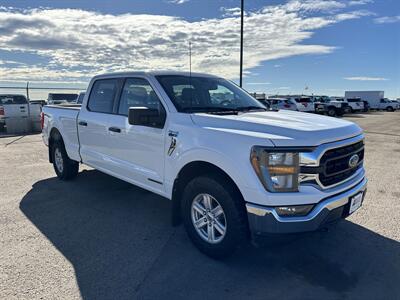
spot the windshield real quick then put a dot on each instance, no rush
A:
(207, 94)
(65, 97)
(12, 99)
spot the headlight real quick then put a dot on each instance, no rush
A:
(277, 170)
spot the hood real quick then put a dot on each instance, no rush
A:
(283, 127)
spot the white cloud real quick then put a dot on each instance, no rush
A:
(315, 5)
(383, 20)
(360, 2)
(365, 78)
(78, 44)
(178, 1)
(231, 12)
(258, 83)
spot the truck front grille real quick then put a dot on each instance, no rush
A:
(335, 163)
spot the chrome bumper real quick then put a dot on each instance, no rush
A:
(266, 220)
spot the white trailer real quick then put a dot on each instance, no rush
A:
(372, 97)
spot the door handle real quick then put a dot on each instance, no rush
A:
(82, 123)
(114, 129)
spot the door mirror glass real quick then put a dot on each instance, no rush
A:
(144, 116)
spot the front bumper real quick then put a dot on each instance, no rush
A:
(264, 220)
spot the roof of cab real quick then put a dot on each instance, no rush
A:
(153, 73)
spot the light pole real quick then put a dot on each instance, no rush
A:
(241, 41)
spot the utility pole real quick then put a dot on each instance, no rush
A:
(241, 41)
(27, 90)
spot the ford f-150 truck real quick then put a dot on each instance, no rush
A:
(232, 168)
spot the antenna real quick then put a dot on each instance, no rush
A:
(190, 74)
(190, 58)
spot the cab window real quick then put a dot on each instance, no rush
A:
(137, 92)
(102, 95)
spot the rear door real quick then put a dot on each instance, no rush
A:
(94, 122)
(138, 152)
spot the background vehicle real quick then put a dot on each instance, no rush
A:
(304, 104)
(12, 106)
(60, 98)
(372, 97)
(396, 103)
(356, 104)
(230, 166)
(386, 104)
(80, 97)
(331, 108)
(280, 103)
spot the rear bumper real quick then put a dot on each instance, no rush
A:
(265, 220)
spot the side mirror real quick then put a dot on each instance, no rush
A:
(144, 116)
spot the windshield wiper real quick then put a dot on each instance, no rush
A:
(209, 109)
(250, 108)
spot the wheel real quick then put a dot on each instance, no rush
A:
(331, 112)
(389, 108)
(65, 167)
(348, 110)
(214, 216)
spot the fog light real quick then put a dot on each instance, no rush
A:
(294, 211)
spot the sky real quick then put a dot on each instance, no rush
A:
(322, 47)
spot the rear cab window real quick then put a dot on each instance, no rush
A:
(12, 99)
(102, 96)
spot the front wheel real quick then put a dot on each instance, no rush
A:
(331, 112)
(64, 167)
(214, 216)
(348, 110)
(389, 108)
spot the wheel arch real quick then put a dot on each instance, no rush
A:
(55, 135)
(186, 174)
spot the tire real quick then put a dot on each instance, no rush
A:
(332, 112)
(65, 168)
(348, 110)
(233, 217)
(389, 108)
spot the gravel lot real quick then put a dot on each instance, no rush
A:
(100, 238)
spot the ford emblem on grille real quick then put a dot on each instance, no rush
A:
(353, 161)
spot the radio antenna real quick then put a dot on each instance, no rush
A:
(190, 58)
(190, 75)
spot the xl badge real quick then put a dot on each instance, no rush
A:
(353, 161)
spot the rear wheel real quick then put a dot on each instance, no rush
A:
(214, 216)
(389, 108)
(65, 167)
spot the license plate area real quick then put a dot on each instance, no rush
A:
(355, 202)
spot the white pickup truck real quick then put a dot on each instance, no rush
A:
(12, 106)
(231, 167)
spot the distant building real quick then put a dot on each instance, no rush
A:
(259, 96)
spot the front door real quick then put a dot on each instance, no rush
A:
(138, 151)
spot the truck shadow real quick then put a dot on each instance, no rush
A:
(120, 242)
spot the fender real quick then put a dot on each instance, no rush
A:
(175, 164)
